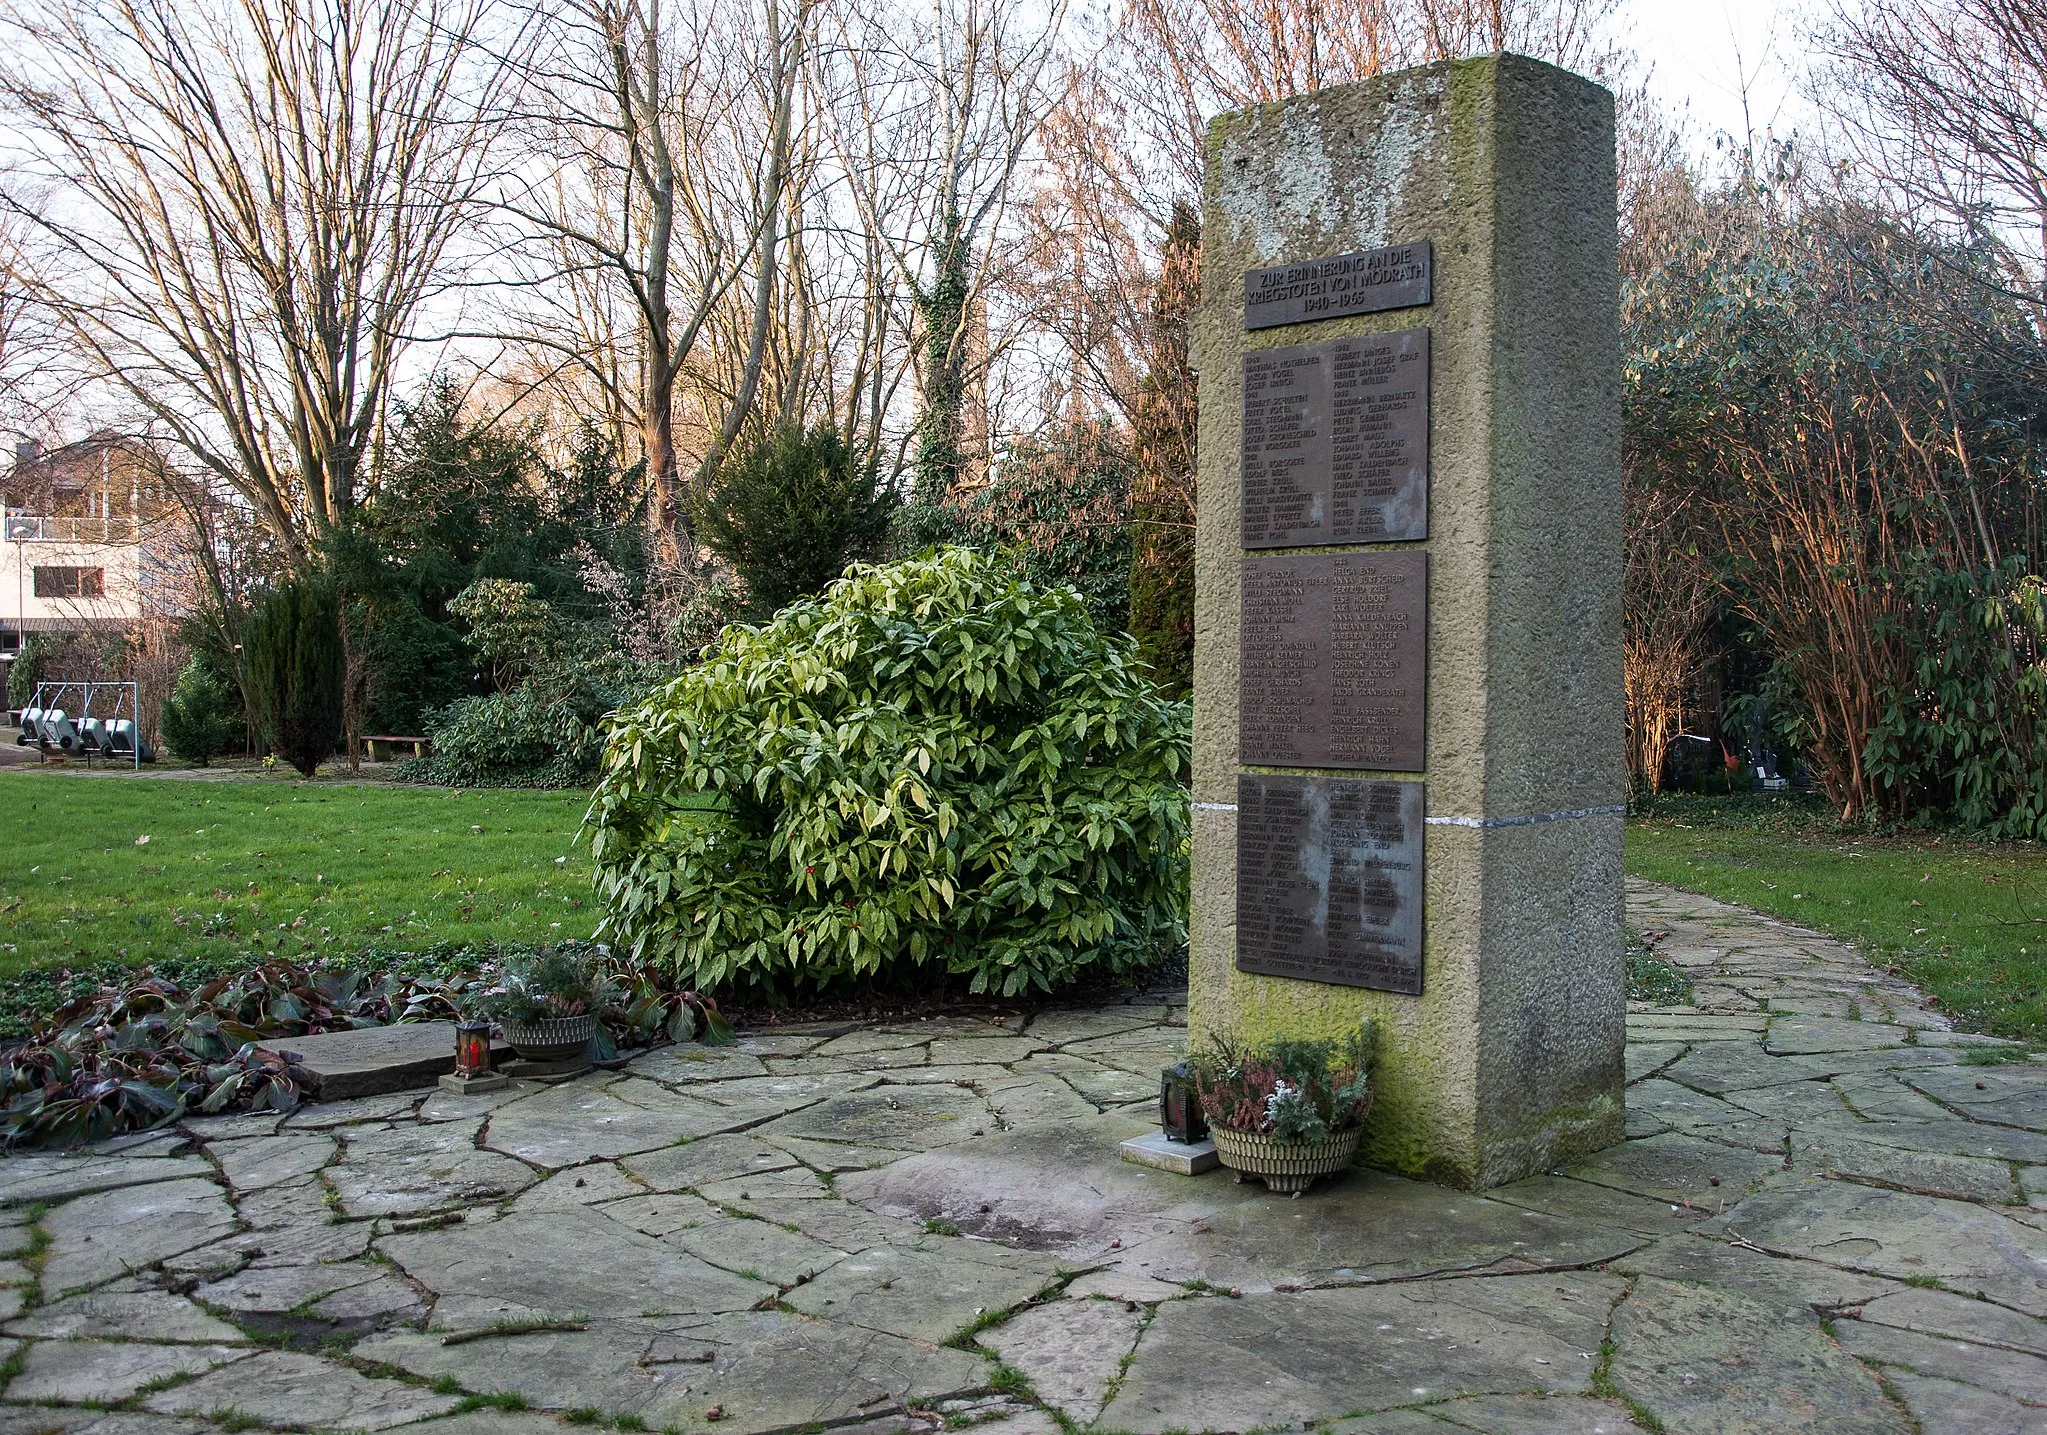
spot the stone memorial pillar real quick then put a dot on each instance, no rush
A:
(1408, 767)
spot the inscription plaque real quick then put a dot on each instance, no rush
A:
(1334, 660)
(1336, 442)
(1329, 880)
(1368, 282)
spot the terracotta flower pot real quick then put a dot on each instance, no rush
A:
(1285, 1166)
(555, 1038)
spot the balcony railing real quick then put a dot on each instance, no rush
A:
(27, 529)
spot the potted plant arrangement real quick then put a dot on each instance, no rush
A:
(1289, 1111)
(548, 1004)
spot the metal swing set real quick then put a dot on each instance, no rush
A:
(86, 720)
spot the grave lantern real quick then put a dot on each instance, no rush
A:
(472, 1048)
(1180, 1105)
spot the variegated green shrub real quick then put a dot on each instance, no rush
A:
(935, 766)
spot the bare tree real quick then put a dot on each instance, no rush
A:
(253, 201)
(654, 200)
(933, 118)
(1946, 103)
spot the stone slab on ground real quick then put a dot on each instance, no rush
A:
(1711, 1361)
(288, 1391)
(71, 1372)
(1071, 1351)
(342, 1065)
(1279, 1359)
(111, 1233)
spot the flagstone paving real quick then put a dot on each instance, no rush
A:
(1830, 1216)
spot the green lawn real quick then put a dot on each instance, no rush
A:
(1962, 919)
(257, 867)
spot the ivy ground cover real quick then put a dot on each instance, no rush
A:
(233, 870)
(1965, 920)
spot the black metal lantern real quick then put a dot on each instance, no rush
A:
(1180, 1105)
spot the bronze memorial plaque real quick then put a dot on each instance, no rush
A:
(1329, 880)
(1334, 660)
(1340, 284)
(1336, 442)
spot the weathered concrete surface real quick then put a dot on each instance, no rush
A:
(1511, 1059)
(1740, 1282)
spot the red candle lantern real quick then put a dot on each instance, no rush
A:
(472, 1048)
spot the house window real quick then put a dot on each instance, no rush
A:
(71, 582)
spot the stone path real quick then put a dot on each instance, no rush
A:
(1828, 1219)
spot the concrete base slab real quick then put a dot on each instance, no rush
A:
(1182, 1158)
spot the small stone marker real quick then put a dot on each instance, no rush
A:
(1182, 1158)
(1408, 746)
(337, 1065)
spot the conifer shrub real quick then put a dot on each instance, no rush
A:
(292, 649)
(937, 767)
(203, 717)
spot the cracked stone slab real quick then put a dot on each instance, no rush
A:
(839, 1224)
(67, 1372)
(601, 1367)
(1884, 1098)
(571, 1261)
(677, 1168)
(1036, 1101)
(790, 1183)
(1965, 1246)
(759, 1250)
(1646, 1058)
(835, 1158)
(1955, 1139)
(1712, 1361)
(278, 1289)
(770, 1371)
(1062, 1028)
(95, 1238)
(1109, 1086)
(1072, 1351)
(286, 1391)
(28, 1179)
(1677, 1168)
(2007, 1372)
(580, 1121)
(912, 1118)
(984, 1050)
(1969, 1178)
(127, 1315)
(920, 1293)
(417, 1170)
(1984, 1093)
(359, 1111)
(1143, 1053)
(1798, 1035)
(1531, 1415)
(1277, 1359)
(579, 1186)
(1680, 1106)
(1943, 1407)
(1603, 1206)
(688, 1065)
(1723, 1066)
(1778, 1279)
(1934, 1312)
(264, 1161)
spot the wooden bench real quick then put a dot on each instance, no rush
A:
(381, 748)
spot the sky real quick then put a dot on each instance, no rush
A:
(1701, 55)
